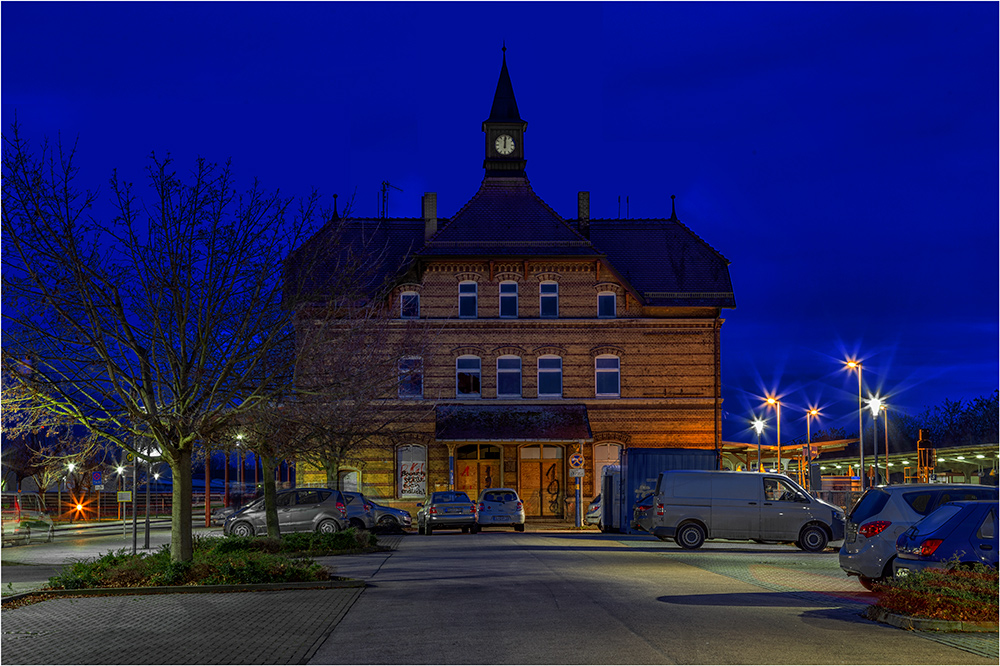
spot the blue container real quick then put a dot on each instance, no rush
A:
(640, 468)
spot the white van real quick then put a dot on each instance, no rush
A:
(23, 517)
(690, 506)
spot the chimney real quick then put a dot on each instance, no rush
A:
(583, 212)
(429, 202)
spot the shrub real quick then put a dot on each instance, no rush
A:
(967, 594)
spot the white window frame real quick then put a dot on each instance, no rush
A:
(520, 376)
(502, 296)
(550, 371)
(478, 372)
(474, 295)
(402, 309)
(617, 371)
(403, 373)
(542, 296)
(614, 305)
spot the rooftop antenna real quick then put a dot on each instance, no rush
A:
(619, 206)
(673, 208)
(385, 198)
(626, 206)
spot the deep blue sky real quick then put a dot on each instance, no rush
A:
(843, 157)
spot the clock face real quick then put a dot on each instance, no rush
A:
(504, 144)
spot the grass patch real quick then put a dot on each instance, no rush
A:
(217, 561)
(960, 594)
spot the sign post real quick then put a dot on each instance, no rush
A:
(576, 464)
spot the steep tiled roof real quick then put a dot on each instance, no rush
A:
(665, 262)
(506, 218)
(537, 423)
(383, 248)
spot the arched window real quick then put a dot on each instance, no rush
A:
(468, 377)
(508, 299)
(350, 480)
(409, 305)
(548, 299)
(604, 455)
(549, 377)
(606, 305)
(411, 471)
(607, 371)
(468, 303)
(508, 377)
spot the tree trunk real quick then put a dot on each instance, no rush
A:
(181, 545)
(332, 477)
(270, 508)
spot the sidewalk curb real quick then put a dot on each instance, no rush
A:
(188, 589)
(925, 624)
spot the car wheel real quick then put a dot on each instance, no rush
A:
(357, 524)
(242, 529)
(465, 529)
(812, 539)
(420, 529)
(388, 522)
(690, 536)
(328, 527)
(868, 583)
(474, 529)
(519, 528)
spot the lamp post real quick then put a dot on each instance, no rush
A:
(810, 415)
(777, 404)
(875, 404)
(861, 433)
(885, 423)
(758, 425)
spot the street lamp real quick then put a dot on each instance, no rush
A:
(861, 436)
(810, 415)
(885, 423)
(874, 404)
(777, 404)
(758, 425)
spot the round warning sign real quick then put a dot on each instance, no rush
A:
(576, 460)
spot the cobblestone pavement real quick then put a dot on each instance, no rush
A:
(813, 577)
(283, 627)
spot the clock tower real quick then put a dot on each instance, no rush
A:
(504, 131)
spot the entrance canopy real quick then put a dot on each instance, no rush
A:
(512, 423)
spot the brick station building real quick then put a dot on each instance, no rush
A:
(551, 336)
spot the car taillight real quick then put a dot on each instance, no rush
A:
(873, 528)
(368, 507)
(473, 508)
(519, 505)
(342, 509)
(929, 546)
(482, 506)
(659, 508)
(433, 510)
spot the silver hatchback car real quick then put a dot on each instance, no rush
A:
(303, 510)
(885, 512)
(499, 507)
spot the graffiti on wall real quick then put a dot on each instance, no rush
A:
(413, 478)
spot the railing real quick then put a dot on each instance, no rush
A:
(104, 505)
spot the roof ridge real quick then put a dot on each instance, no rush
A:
(666, 220)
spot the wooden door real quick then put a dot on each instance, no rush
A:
(541, 483)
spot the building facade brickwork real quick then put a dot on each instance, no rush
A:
(521, 307)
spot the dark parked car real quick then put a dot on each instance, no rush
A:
(642, 513)
(957, 533)
(303, 510)
(446, 509)
(390, 518)
(885, 512)
(360, 511)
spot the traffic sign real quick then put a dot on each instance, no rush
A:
(124, 495)
(576, 460)
(576, 473)
(96, 476)
(129, 457)
(99, 487)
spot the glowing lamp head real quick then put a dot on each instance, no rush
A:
(772, 401)
(758, 425)
(813, 412)
(71, 466)
(156, 476)
(120, 469)
(853, 364)
(875, 404)
(79, 507)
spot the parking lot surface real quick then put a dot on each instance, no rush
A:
(500, 598)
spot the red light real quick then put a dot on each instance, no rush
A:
(659, 508)
(929, 546)
(433, 510)
(482, 507)
(342, 509)
(873, 528)
(519, 506)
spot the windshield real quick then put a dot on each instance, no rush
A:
(871, 503)
(444, 498)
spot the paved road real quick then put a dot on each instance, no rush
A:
(563, 598)
(496, 598)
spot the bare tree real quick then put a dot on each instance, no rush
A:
(164, 320)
